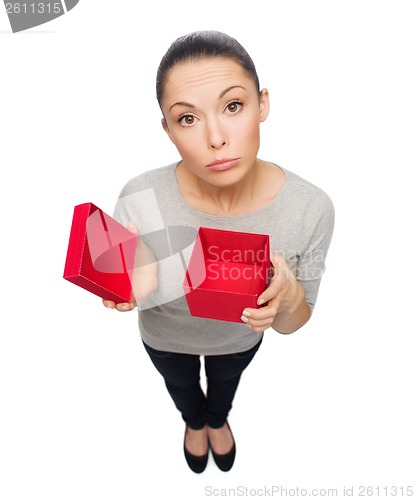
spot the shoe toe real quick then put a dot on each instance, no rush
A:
(225, 461)
(196, 463)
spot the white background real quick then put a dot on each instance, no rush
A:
(83, 413)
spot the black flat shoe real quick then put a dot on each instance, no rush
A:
(197, 463)
(225, 461)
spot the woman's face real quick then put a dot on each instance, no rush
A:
(212, 114)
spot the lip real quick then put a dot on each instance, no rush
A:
(223, 164)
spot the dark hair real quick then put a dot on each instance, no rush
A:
(199, 45)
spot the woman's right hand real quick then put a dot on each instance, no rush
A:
(144, 281)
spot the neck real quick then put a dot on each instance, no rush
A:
(224, 200)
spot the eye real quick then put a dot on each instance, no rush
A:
(234, 106)
(187, 120)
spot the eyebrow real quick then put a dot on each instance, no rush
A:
(222, 94)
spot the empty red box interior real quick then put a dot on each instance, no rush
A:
(100, 256)
(227, 272)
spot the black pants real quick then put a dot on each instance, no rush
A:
(181, 374)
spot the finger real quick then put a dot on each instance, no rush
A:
(271, 292)
(257, 323)
(278, 281)
(125, 306)
(258, 326)
(263, 313)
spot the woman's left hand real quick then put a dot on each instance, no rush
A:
(283, 295)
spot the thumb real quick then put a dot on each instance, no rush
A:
(272, 288)
(133, 228)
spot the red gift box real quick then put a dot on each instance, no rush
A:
(227, 272)
(100, 256)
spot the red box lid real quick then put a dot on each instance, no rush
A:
(100, 256)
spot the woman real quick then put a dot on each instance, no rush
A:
(212, 106)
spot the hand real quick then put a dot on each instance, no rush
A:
(283, 295)
(144, 281)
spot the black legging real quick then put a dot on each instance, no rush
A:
(181, 373)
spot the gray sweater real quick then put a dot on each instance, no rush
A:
(299, 222)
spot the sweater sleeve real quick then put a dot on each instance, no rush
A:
(317, 231)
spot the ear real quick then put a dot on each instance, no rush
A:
(264, 105)
(166, 128)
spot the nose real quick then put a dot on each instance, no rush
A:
(216, 136)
